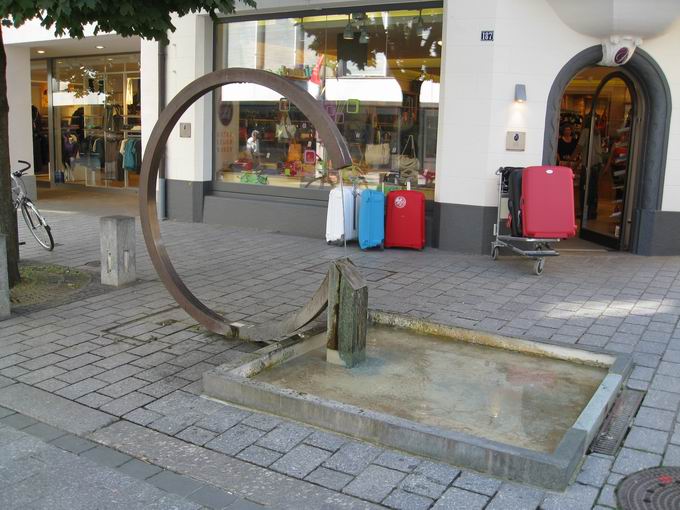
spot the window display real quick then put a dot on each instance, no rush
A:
(377, 76)
(97, 112)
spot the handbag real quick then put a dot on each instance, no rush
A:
(408, 165)
(294, 152)
(377, 154)
(285, 130)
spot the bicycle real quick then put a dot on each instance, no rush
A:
(35, 221)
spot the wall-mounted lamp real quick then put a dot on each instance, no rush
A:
(520, 93)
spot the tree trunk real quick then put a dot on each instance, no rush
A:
(8, 216)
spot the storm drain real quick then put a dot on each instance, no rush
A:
(650, 489)
(616, 423)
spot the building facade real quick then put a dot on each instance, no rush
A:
(436, 95)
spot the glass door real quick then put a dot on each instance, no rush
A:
(606, 143)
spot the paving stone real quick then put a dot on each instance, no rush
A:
(94, 400)
(78, 361)
(43, 431)
(77, 390)
(223, 419)
(300, 461)
(374, 483)
(666, 383)
(142, 416)
(119, 373)
(516, 497)
(174, 423)
(73, 444)
(398, 461)
(265, 422)
(654, 418)
(649, 440)
(421, 484)
(40, 375)
(401, 500)
(106, 456)
(139, 469)
(196, 435)
(174, 483)
(325, 440)
(235, 439)
(165, 386)
(608, 496)
(18, 421)
(110, 362)
(442, 474)
(212, 497)
(5, 412)
(576, 497)
(595, 470)
(629, 461)
(352, 458)
(80, 374)
(42, 361)
(328, 478)
(477, 483)
(260, 456)
(672, 456)
(123, 387)
(124, 405)
(662, 400)
(459, 499)
(244, 504)
(284, 437)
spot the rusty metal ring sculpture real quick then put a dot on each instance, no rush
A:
(334, 143)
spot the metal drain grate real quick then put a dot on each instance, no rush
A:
(650, 489)
(616, 423)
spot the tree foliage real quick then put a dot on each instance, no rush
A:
(150, 19)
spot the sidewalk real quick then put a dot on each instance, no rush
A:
(122, 369)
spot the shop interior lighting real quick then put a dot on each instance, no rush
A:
(40, 51)
(420, 25)
(364, 38)
(520, 93)
(99, 47)
(348, 33)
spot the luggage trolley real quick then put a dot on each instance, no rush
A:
(540, 248)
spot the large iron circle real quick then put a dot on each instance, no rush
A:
(334, 143)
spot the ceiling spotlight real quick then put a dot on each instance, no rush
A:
(348, 33)
(364, 38)
(99, 47)
(420, 26)
(40, 51)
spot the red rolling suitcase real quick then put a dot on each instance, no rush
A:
(548, 202)
(405, 220)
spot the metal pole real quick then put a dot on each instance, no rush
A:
(161, 191)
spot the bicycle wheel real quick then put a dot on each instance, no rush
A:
(37, 225)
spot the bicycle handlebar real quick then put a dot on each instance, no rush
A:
(26, 167)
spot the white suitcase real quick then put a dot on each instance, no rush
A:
(338, 231)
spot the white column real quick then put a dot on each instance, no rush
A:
(20, 120)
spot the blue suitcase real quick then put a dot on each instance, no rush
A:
(372, 220)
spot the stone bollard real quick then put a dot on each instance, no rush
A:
(117, 237)
(4, 280)
(347, 315)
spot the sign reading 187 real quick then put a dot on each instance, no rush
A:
(487, 35)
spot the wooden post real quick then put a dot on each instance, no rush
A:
(347, 314)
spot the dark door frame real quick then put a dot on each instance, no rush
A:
(655, 130)
(591, 235)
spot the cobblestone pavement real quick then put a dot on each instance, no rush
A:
(123, 368)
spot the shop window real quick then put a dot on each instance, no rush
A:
(39, 114)
(97, 117)
(375, 73)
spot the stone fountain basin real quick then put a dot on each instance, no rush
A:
(517, 409)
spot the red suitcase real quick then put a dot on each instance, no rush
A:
(547, 202)
(405, 220)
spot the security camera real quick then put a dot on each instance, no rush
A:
(618, 50)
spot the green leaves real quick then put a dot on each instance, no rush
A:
(150, 19)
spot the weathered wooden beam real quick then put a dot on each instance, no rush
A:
(347, 314)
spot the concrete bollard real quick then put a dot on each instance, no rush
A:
(5, 308)
(117, 237)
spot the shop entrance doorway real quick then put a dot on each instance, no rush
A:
(600, 130)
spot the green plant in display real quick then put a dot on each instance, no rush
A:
(150, 19)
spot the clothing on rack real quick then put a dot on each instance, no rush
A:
(131, 150)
